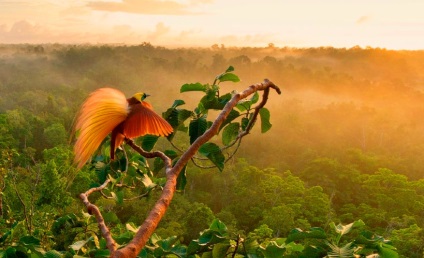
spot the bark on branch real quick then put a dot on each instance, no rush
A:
(160, 207)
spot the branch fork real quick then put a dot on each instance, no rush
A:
(149, 225)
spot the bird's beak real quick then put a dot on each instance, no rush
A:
(147, 95)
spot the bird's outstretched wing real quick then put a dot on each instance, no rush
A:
(143, 120)
(103, 110)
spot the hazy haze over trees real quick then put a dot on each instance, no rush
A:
(347, 140)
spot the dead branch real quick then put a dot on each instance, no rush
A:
(94, 210)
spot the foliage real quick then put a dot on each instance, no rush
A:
(336, 152)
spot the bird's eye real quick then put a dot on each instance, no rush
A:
(144, 95)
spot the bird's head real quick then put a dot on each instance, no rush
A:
(140, 96)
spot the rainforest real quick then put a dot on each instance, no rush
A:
(334, 167)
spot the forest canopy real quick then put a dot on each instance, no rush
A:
(346, 142)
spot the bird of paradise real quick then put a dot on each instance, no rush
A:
(106, 111)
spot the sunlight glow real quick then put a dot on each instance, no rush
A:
(393, 24)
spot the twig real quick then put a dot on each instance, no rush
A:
(94, 210)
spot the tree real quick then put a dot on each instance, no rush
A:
(236, 118)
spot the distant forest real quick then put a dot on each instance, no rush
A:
(347, 140)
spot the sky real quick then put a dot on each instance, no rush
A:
(391, 24)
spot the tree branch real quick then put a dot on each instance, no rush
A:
(156, 214)
(92, 209)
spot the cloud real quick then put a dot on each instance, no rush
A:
(21, 31)
(154, 7)
(160, 30)
(363, 19)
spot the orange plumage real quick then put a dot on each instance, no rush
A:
(106, 111)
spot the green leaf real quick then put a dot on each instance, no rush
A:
(193, 247)
(8, 233)
(220, 250)
(78, 245)
(53, 254)
(157, 164)
(177, 103)
(293, 247)
(182, 179)
(183, 115)
(124, 238)
(265, 124)
(229, 69)
(29, 240)
(208, 102)
(342, 230)
(273, 250)
(230, 133)
(219, 226)
(244, 123)
(345, 251)
(387, 251)
(120, 197)
(228, 77)
(171, 116)
(244, 105)
(197, 128)
(298, 234)
(231, 116)
(251, 246)
(131, 227)
(210, 237)
(213, 153)
(149, 142)
(193, 87)
(171, 154)
(254, 98)
(148, 183)
(100, 253)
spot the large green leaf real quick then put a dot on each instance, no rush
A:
(211, 102)
(193, 87)
(213, 153)
(273, 250)
(347, 251)
(228, 77)
(210, 237)
(197, 128)
(251, 246)
(265, 124)
(218, 226)
(230, 133)
(387, 251)
(149, 142)
(220, 250)
(183, 115)
(171, 116)
(344, 229)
